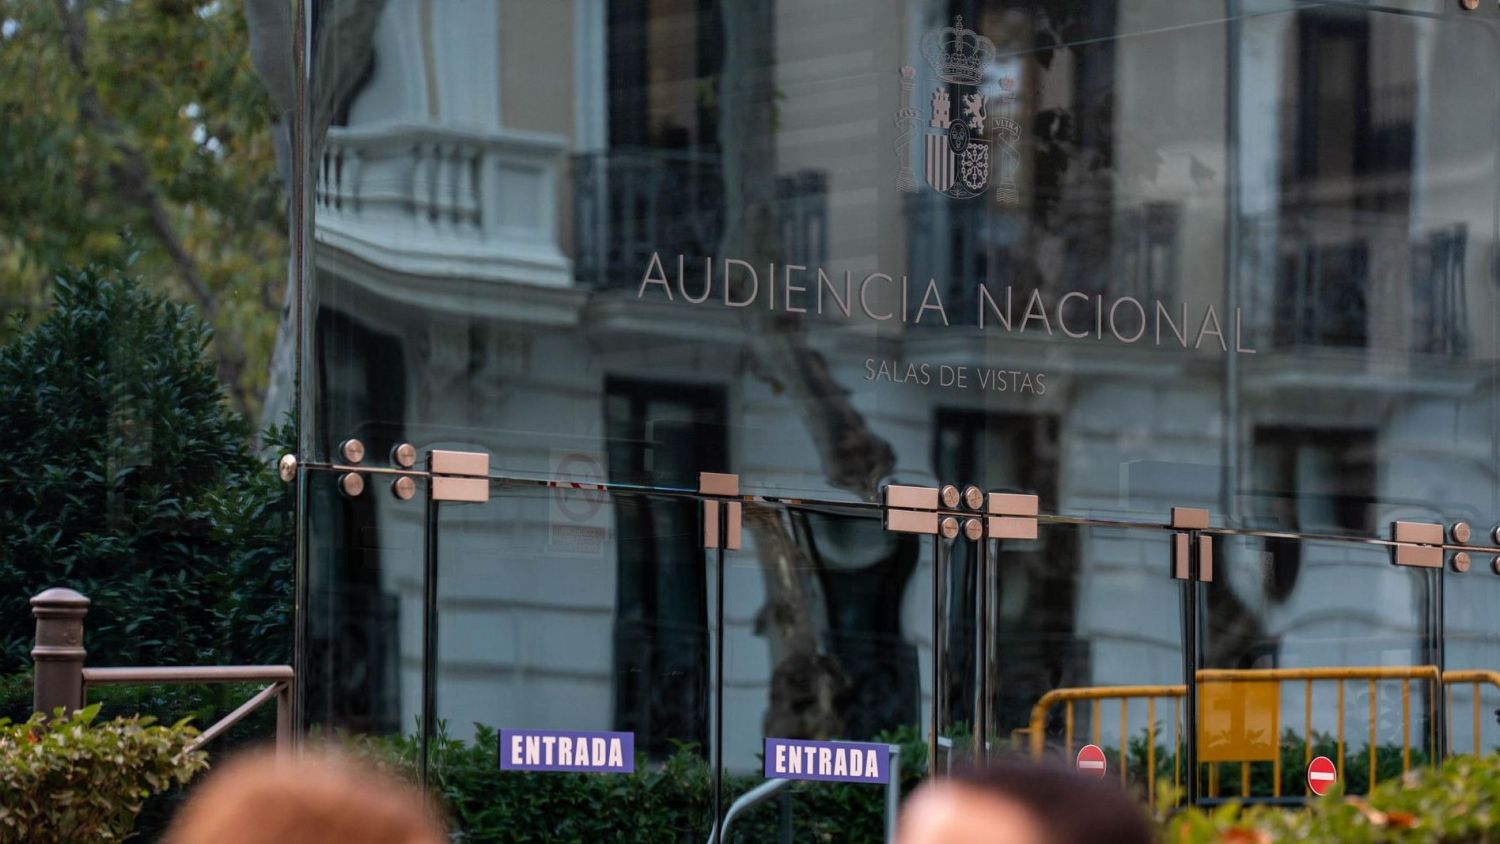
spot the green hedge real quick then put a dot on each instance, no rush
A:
(69, 779)
(667, 802)
(1458, 803)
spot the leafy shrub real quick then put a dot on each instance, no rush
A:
(132, 481)
(72, 780)
(666, 801)
(1457, 803)
(669, 802)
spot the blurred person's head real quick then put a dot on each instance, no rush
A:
(315, 798)
(1014, 802)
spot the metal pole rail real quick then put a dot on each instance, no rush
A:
(62, 681)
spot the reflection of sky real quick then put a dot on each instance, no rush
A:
(9, 27)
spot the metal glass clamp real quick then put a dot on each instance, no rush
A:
(722, 520)
(947, 512)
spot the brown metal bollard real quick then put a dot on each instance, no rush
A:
(59, 651)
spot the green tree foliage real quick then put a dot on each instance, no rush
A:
(130, 480)
(146, 116)
(71, 780)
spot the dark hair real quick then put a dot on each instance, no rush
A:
(1072, 808)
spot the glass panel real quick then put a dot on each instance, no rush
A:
(1471, 653)
(827, 637)
(1314, 648)
(1090, 650)
(1360, 257)
(568, 611)
(1259, 287)
(361, 670)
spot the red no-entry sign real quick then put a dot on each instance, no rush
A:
(1091, 760)
(1321, 775)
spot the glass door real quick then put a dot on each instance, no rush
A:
(1092, 643)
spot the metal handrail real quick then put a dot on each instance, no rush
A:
(280, 677)
(749, 800)
(158, 676)
(62, 680)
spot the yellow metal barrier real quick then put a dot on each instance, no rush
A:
(1036, 731)
(1235, 683)
(1477, 679)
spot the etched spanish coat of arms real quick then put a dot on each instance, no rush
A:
(956, 140)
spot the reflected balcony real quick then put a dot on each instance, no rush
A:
(431, 201)
(632, 201)
(1356, 283)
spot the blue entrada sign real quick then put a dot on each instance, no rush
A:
(829, 761)
(567, 750)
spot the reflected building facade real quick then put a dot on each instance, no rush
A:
(1245, 263)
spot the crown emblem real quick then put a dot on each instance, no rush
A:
(958, 54)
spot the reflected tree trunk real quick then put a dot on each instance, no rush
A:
(806, 682)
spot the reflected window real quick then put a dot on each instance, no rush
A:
(1348, 118)
(659, 184)
(663, 58)
(661, 434)
(1313, 480)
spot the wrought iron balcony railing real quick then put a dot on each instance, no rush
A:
(1319, 281)
(631, 202)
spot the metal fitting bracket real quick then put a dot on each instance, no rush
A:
(1421, 544)
(722, 520)
(944, 511)
(1189, 521)
(461, 476)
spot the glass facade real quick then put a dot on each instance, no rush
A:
(1216, 283)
